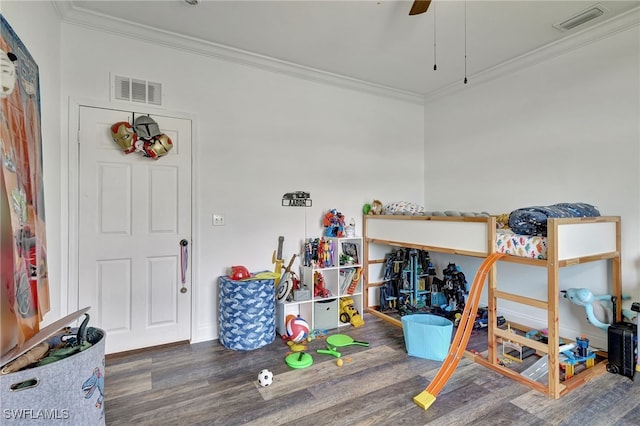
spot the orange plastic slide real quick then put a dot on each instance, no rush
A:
(460, 340)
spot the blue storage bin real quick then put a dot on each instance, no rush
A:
(246, 313)
(427, 336)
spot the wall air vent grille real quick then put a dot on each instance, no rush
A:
(122, 88)
(136, 90)
(154, 93)
(581, 18)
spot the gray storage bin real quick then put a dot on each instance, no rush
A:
(68, 391)
(325, 314)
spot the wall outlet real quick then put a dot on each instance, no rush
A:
(218, 220)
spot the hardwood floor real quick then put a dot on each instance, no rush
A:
(207, 384)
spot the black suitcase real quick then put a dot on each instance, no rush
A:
(622, 340)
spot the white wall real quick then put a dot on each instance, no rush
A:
(259, 134)
(38, 26)
(564, 130)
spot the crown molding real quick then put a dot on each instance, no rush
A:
(598, 32)
(78, 16)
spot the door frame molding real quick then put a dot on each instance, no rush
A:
(70, 203)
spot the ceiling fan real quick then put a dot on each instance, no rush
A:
(419, 6)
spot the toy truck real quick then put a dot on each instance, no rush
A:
(349, 313)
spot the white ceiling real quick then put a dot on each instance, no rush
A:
(373, 41)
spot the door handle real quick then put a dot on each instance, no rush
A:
(184, 263)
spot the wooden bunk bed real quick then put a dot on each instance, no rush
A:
(570, 241)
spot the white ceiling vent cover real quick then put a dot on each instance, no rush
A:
(134, 90)
(581, 18)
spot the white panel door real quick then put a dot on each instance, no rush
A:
(133, 213)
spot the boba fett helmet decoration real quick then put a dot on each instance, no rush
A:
(144, 136)
(146, 127)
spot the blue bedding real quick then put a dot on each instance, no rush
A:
(533, 220)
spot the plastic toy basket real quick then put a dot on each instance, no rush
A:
(246, 313)
(427, 336)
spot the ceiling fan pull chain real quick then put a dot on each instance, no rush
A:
(465, 42)
(435, 67)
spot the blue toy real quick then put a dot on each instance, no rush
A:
(584, 297)
(580, 353)
(334, 224)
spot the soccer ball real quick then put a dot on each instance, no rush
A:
(265, 377)
(297, 329)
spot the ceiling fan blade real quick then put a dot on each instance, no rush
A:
(419, 6)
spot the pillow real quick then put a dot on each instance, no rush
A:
(404, 208)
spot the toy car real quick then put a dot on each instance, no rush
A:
(482, 318)
(298, 194)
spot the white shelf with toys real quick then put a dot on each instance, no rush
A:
(330, 294)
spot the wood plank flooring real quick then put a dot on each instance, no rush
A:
(207, 384)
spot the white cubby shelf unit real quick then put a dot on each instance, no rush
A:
(342, 278)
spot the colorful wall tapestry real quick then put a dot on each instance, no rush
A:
(24, 281)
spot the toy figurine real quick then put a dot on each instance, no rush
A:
(328, 217)
(308, 252)
(318, 286)
(320, 252)
(331, 253)
(334, 223)
(326, 254)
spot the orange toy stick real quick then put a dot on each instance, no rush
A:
(460, 340)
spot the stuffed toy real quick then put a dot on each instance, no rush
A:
(376, 207)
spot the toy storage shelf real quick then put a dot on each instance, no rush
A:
(320, 312)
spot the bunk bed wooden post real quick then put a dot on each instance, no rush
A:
(492, 302)
(365, 264)
(553, 292)
(616, 270)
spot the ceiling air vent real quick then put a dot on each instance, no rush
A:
(134, 90)
(581, 18)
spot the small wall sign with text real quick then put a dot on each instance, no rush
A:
(296, 199)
